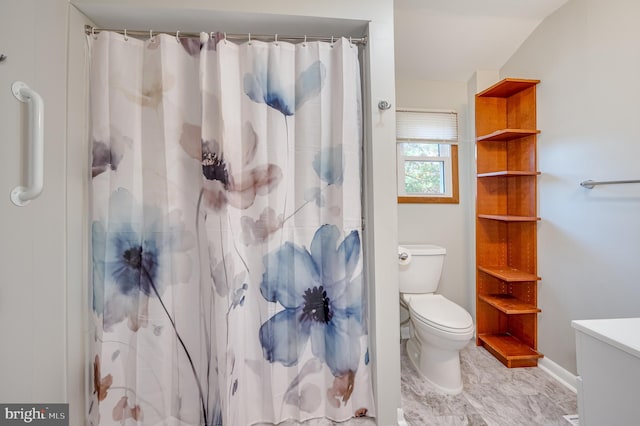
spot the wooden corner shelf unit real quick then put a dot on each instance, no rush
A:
(506, 221)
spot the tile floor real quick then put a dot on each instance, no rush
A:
(493, 395)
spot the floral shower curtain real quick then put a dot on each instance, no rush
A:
(226, 232)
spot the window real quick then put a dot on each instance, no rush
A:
(427, 154)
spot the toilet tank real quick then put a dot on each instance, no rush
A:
(422, 272)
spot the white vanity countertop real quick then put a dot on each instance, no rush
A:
(623, 333)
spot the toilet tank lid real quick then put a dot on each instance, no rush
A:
(424, 249)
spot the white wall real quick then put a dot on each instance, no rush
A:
(480, 80)
(302, 17)
(33, 238)
(587, 58)
(43, 245)
(446, 225)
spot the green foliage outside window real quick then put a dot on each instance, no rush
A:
(424, 177)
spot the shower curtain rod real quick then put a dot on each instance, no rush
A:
(89, 30)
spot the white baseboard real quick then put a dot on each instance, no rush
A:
(559, 373)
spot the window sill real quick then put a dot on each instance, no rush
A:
(429, 200)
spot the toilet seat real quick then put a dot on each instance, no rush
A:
(437, 311)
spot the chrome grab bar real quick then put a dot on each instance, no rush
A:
(589, 184)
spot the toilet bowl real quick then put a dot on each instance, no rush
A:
(440, 328)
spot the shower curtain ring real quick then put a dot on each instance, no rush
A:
(126, 38)
(249, 42)
(276, 42)
(331, 41)
(150, 35)
(93, 33)
(178, 36)
(225, 38)
(304, 43)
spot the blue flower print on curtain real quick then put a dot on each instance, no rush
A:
(135, 258)
(328, 165)
(321, 299)
(264, 86)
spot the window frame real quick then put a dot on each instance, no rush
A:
(450, 197)
(446, 169)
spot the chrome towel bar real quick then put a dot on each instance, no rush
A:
(589, 184)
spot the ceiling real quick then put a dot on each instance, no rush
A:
(437, 40)
(168, 17)
(448, 40)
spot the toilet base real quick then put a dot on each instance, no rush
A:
(439, 367)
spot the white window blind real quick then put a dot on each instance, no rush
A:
(439, 127)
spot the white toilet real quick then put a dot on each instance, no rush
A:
(440, 327)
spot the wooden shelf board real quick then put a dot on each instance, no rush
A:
(507, 87)
(506, 134)
(508, 173)
(508, 274)
(509, 304)
(509, 350)
(509, 218)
